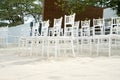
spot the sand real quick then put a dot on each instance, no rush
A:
(14, 67)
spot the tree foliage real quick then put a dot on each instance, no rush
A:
(71, 6)
(115, 4)
(15, 10)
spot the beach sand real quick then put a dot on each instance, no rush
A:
(14, 67)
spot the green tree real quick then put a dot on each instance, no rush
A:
(115, 4)
(71, 6)
(15, 10)
(74, 6)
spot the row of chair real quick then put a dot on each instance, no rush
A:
(103, 36)
(100, 26)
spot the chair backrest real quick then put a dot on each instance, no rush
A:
(107, 26)
(115, 27)
(69, 24)
(57, 26)
(118, 30)
(50, 31)
(115, 20)
(36, 29)
(85, 28)
(76, 28)
(98, 22)
(44, 30)
(98, 25)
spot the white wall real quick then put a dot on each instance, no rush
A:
(15, 32)
(20, 30)
(108, 13)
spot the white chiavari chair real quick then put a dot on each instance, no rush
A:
(115, 35)
(79, 46)
(85, 37)
(53, 41)
(98, 31)
(76, 34)
(44, 37)
(66, 44)
(104, 40)
(101, 37)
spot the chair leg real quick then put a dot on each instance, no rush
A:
(42, 48)
(76, 45)
(81, 46)
(56, 54)
(31, 48)
(109, 46)
(98, 43)
(48, 50)
(90, 48)
(73, 48)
